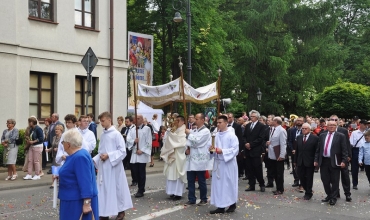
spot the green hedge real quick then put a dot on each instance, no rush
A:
(21, 155)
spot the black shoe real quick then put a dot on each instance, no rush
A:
(218, 210)
(291, 172)
(49, 172)
(348, 198)
(134, 184)
(245, 178)
(188, 203)
(269, 185)
(139, 194)
(295, 185)
(327, 199)
(172, 196)
(263, 189)
(202, 203)
(250, 189)
(176, 198)
(355, 187)
(231, 208)
(332, 201)
(307, 197)
(277, 192)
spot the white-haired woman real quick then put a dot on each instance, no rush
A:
(77, 185)
(10, 148)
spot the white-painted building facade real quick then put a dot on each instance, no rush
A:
(42, 43)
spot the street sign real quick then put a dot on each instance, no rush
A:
(89, 61)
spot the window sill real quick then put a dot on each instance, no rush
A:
(42, 20)
(86, 28)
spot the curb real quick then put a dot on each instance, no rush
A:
(43, 183)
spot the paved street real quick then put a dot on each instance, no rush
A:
(20, 202)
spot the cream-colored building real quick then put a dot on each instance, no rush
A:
(42, 43)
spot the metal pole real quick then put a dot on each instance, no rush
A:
(87, 83)
(188, 18)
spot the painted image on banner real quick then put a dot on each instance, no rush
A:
(141, 58)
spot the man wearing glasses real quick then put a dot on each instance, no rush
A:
(346, 183)
(332, 158)
(307, 145)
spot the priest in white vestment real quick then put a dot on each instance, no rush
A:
(224, 188)
(198, 159)
(141, 151)
(173, 154)
(114, 195)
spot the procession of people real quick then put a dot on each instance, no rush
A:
(232, 152)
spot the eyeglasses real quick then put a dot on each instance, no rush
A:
(304, 128)
(333, 119)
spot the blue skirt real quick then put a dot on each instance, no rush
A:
(72, 209)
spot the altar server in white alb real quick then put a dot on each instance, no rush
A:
(141, 151)
(173, 154)
(70, 121)
(198, 159)
(88, 136)
(224, 189)
(114, 195)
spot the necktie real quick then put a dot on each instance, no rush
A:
(327, 145)
(252, 126)
(228, 125)
(304, 139)
(127, 129)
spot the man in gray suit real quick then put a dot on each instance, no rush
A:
(276, 153)
(331, 157)
(54, 122)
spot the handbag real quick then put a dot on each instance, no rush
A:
(19, 141)
(93, 218)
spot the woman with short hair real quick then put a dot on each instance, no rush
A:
(10, 148)
(120, 124)
(35, 141)
(78, 191)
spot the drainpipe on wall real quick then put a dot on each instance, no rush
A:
(111, 58)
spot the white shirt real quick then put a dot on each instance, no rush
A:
(307, 135)
(88, 138)
(355, 137)
(329, 145)
(278, 136)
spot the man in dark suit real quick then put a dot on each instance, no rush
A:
(292, 144)
(254, 139)
(331, 157)
(51, 133)
(191, 121)
(92, 124)
(307, 145)
(239, 134)
(344, 172)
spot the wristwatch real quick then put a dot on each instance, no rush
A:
(87, 202)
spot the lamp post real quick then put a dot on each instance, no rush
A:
(259, 97)
(179, 5)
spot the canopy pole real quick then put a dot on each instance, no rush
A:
(182, 89)
(135, 103)
(219, 91)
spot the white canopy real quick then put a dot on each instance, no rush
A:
(162, 95)
(147, 112)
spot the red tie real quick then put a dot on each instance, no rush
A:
(304, 139)
(327, 145)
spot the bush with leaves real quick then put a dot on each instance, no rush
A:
(344, 99)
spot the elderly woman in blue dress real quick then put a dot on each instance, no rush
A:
(10, 148)
(78, 192)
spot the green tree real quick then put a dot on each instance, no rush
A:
(344, 99)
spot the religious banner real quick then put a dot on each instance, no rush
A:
(141, 59)
(210, 112)
(162, 95)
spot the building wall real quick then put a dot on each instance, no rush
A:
(27, 45)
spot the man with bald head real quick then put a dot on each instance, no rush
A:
(141, 147)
